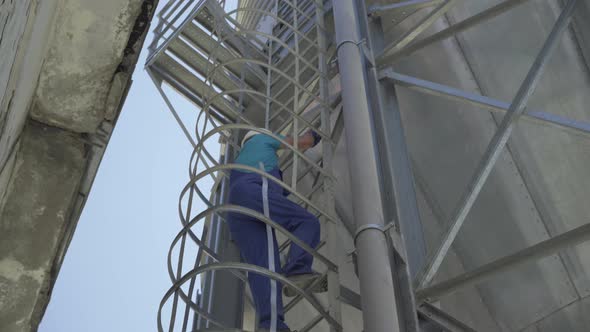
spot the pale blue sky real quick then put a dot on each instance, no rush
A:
(114, 273)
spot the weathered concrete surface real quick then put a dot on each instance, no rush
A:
(86, 49)
(67, 64)
(33, 218)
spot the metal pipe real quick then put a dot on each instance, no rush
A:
(376, 281)
(537, 251)
(497, 144)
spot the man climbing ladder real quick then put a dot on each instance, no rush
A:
(254, 238)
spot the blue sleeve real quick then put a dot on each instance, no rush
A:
(273, 142)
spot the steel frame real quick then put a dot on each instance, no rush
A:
(405, 46)
(497, 144)
(513, 112)
(397, 163)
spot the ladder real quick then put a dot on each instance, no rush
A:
(242, 77)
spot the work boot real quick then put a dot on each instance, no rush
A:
(304, 280)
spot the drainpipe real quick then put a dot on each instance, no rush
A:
(376, 282)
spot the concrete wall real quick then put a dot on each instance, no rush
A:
(65, 68)
(33, 219)
(87, 47)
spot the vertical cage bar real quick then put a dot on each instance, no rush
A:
(268, 86)
(296, 96)
(327, 156)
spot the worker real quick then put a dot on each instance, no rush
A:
(259, 150)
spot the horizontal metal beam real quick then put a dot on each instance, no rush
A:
(528, 255)
(378, 10)
(445, 91)
(497, 144)
(442, 319)
(454, 29)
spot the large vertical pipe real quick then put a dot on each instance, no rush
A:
(376, 282)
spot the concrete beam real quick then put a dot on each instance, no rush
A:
(33, 219)
(87, 47)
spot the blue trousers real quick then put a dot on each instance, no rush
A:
(251, 237)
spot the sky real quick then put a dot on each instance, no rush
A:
(114, 273)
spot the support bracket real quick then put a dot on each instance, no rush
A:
(391, 231)
(361, 44)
